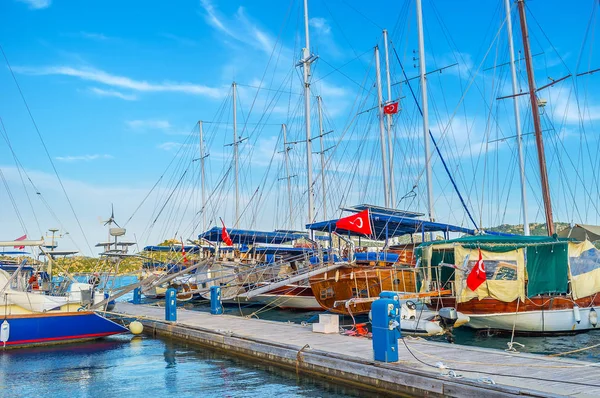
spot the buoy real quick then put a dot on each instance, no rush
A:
(576, 313)
(4, 332)
(593, 317)
(136, 327)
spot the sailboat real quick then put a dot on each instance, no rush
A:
(533, 285)
(45, 313)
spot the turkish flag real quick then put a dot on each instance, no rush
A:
(477, 275)
(359, 222)
(183, 253)
(225, 235)
(21, 238)
(390, 109)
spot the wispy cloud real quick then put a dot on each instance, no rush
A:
(154, 124)
(113, 93)
(320, 24)
(169, 145)
(82, 158)
(239, 27)
(100, 76)
(36, 4)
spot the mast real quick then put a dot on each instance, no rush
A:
(202, 175)
(390, 137)
(306, 61)
(425, 110)
(287, 173)
(513, 72)
(535, 112)
(235, 156)
(322, 153)
(386, 187)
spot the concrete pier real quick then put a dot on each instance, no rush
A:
(466, 371)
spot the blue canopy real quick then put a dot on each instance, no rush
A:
(387, 225)
(177, 249)
(250, 237)
(13, 253)
(282, 250)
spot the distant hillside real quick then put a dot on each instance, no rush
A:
(536, 229)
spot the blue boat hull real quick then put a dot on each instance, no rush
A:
(49, 328)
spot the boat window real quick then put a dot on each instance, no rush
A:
(497, 270)
(326, 293)
(363, 293)
(588, 261)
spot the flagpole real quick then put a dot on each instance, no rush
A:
(517, 117)
(306, 61)
(386, 187)
(390, 139)
(425, 109)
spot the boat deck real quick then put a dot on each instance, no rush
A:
(468, 371)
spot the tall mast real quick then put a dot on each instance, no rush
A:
(322, 153)
(386, 187)
(235, 156)
(287, 173)
(535, 112)
(202, 175)
(425, 110)
(513, 72)
(390, 137)
(306, 61)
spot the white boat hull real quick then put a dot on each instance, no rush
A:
(306, 303)
(554, 321)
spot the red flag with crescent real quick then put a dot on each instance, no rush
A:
(21, 238)
(477, 275)
(359, 222)
(225, 235)
(183, 253)
(391, 109)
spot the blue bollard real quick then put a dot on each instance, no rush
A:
(171, 305)
(216, 307)
(385, 318)
(137, 295)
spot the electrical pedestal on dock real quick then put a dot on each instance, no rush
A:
(385, 318)
(137, 295)
(171, 305)
(216, 307)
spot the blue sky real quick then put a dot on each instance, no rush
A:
(116, 89)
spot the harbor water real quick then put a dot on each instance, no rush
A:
(126, 366)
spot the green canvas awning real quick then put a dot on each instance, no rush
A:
(581, 232)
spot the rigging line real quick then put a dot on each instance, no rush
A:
(340, 67)
(363, 15)
(341, 73)
(172, 192)
(21, 171)
(547, 38)
(12, 201)
(435, 143)
(46, 149)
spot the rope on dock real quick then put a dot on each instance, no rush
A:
(574, 351)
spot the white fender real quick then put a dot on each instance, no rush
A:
(576, 314)
(4, 331)
(593, 317)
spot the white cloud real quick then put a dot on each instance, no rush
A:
(36, 4)
(148, 124)
(108, 79)
(113, 93)
(240, 28)
(320, 24)
(84, 158)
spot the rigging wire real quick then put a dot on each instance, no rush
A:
(46, 149)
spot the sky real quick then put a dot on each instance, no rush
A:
(108, 96)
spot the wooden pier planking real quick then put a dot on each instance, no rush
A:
(350, 359)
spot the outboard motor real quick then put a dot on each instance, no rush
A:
(448, 318)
